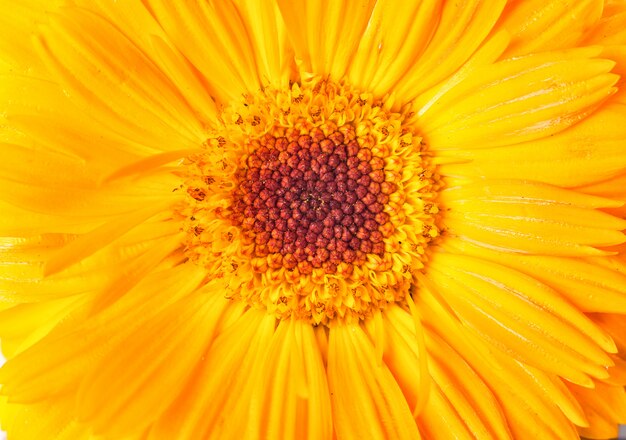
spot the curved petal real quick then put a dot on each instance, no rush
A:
(462, 29)
(531, 409)
(222, 384)
(518, 99)
(216, 40)
(588, 152)
(604, 407)
(129, 391)
(290, 399)
(134, 20)
(531, 218)
(396, 36)
(542, 25)
(18, 22)
(366, 399)
(268, 34)
(611, 28)
(586, 283)
(323, 40)
(55, 184)
(57, 363)
(462, 399)
(522, 317)
(42, 420)
(127, 92)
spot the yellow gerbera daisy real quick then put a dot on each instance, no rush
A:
(302, 219)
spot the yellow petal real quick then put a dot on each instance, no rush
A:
(605, 406)
(587, 152)
(531, 218)
(25, 324)
(291, 400)
(214, 38)
(136, 22)
(57, 364)
(51, 183)
(223, 383)
(85, 245)
(520, 316)
(585, 283)
(531, 411)
(18, 23)
(42, 420)
(44, 118)
(397, 35)
(518, 100)
(320, 34)
(611, 29)
(137, 254)
(112, 80)
(366, 399)
(268, 34)
(541, 25)
(461, 30)
(471, 404)
(129, 391)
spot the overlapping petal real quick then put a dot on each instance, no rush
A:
(514, 327)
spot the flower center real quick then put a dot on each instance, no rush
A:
(315, 199)
(315, 202)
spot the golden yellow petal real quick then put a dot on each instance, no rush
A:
(18, 23)
(586, 283)
(223, 383)
(268, 34)
(397, 35)
(511, 101)
(215, 39)
(587, 152)
(290, 399)
(531, 218)
(541, 25)
(51, 183)
(611, 28)
(366, 399)
(134, 20)
(614, 188)
(485, 55)
(24, 324)
(461, 31)
(471, 404)
(604, 406)
(43, 420)
(58, 362)
(322, 38)
(126, 91)
(520, 316)
(403, 353)
(530, 409)
(128, 391)
(86, 244)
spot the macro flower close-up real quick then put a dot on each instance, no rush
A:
(292, 219)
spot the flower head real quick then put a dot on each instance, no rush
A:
(292, 219)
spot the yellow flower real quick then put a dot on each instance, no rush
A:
(302, 219)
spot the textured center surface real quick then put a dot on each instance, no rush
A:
(316, 200)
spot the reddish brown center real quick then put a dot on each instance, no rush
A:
(316, 200)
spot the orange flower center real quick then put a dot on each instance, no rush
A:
(317, 200)
(314, 202)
